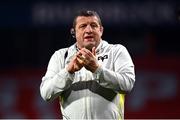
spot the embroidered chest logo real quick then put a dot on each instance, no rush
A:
(103, 57)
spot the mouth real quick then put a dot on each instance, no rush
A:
(88, 38)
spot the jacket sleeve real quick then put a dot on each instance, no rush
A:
(56, 79)
(122, 77)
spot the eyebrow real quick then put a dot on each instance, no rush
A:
(89, 23)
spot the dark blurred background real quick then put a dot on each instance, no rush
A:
(32, 30)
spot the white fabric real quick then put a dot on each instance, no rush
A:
(116, 73)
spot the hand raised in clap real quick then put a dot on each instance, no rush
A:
(88, 59)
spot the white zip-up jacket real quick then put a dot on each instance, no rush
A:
(87, 95)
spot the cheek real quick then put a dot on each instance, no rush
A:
(79, 38)
(79, 35)
(100, 33)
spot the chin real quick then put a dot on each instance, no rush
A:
(90, 46)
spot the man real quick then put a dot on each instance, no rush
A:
(90, 77)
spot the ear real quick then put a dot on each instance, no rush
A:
(72, 31)
(101, 30)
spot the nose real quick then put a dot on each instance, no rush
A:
(88, 29)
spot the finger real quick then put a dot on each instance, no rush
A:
(80, 62)
(74, 59)
(81, 57)
(78, 53)
(86, 52)
(94, 51)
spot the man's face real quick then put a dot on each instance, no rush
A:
(88, 32)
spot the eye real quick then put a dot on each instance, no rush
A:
(94, 25)
(82, 26)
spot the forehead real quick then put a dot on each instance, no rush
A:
(86, 20)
